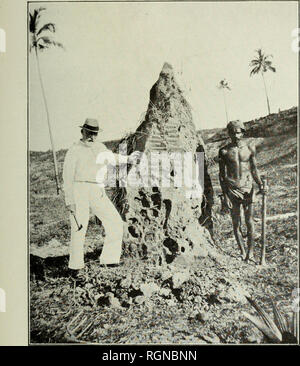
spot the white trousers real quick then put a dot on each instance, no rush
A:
(86, 196)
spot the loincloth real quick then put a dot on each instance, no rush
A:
(236, 194)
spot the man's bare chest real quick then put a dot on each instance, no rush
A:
(237, 155)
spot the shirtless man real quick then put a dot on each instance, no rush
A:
(237, 173)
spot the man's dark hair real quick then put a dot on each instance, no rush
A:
(235, 125)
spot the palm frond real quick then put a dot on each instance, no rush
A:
(31, 23)
(272, 68)
(47, 27)
(290, 336)
(254, 62)
(46, 42)
(261, 63)
(255, 70)
(266, 318)
(260, 53)
(34, 19)
(58, 44)
(281, 330)
(41, 47)
(263, 328)
(279, 320)
(38, 11)
(223, 84)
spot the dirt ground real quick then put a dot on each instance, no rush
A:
(137, 303)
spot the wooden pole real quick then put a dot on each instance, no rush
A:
(263, 227)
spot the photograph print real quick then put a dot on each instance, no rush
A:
(162, 173)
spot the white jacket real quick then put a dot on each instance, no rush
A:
(80, 165)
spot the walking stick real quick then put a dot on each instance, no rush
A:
(79, 226)
(263, 227)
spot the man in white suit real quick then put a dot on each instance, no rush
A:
(83, 163)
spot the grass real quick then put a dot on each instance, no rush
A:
(208, 307)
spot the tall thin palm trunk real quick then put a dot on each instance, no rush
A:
(49, 125)
(268, 103)
(262, 64)
(225, 106)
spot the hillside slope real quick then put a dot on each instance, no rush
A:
(141, 302)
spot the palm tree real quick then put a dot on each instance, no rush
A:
(224, 85)
(40, 41)
(279, 330)
(262, 64)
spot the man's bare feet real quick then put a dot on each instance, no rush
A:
(243, 254)
(249, 257)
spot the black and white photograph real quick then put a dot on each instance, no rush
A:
(162, 173)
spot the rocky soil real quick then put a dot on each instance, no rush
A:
(175, 284)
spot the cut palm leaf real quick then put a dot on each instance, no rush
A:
(266, 318)
(268, 332)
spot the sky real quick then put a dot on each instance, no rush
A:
(113, 54)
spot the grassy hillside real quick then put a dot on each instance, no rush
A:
(264, 130)
(210, 132)
(208, 306)
(274, 124)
